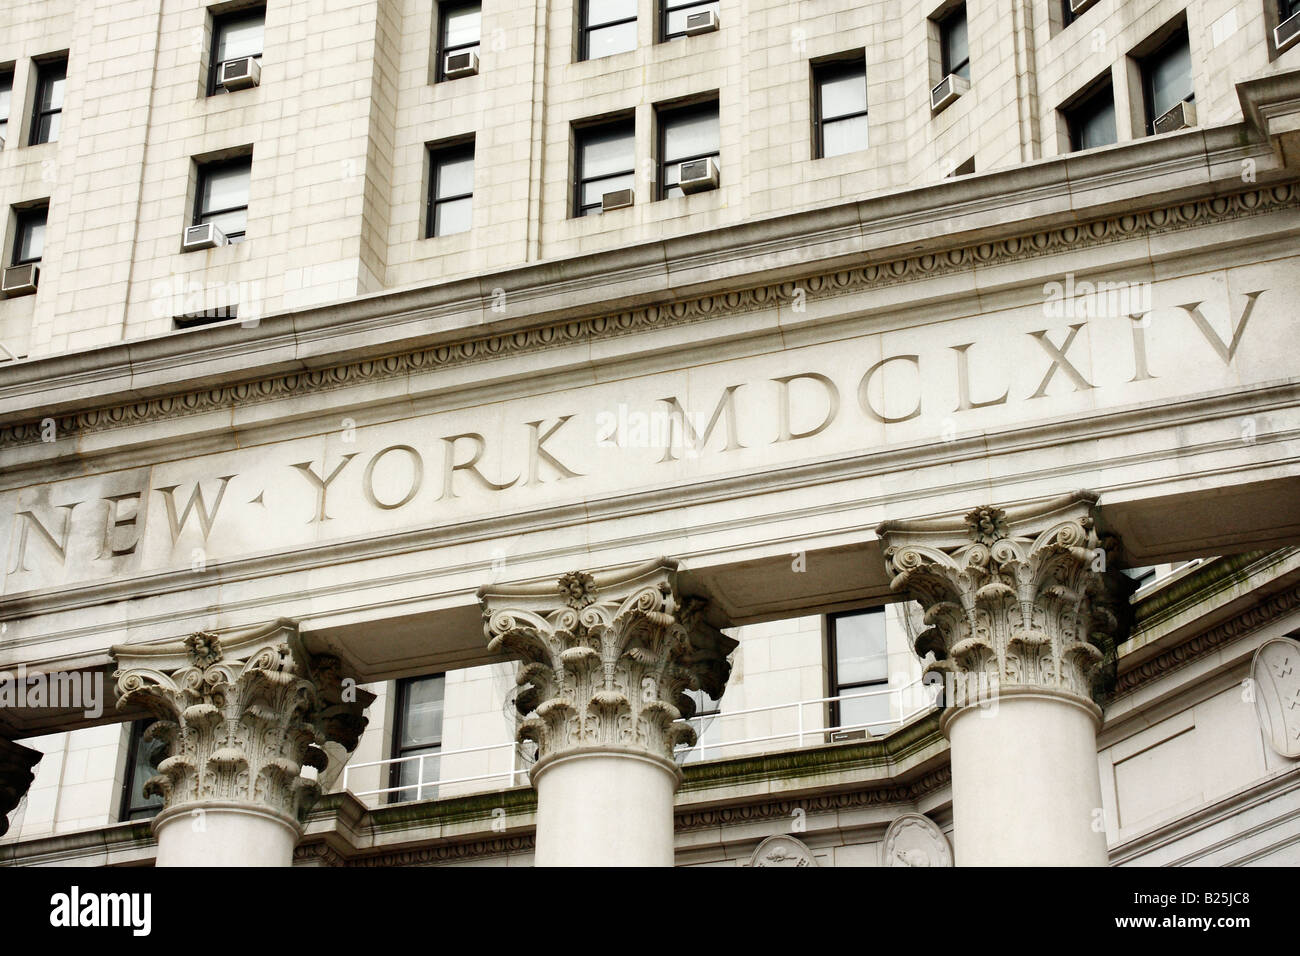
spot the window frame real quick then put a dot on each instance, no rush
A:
(822, 72)
(401, 695)
(43, 79)
(23, 219)
(440, 153)
(832, 663)
(445, 9)
(1147, 74)
(7, 81)
(586, 27)
(677, 112)
(219, 21)
(944, 23)
(126, 812)
(579, 180)
(206, 169)
(667, 7)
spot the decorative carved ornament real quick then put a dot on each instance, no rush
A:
(915, 840)
(928, 265)
(782, 850)
(1023, 598)
(240, 718)
(16, 775)
(1276, 674)
(606, 660)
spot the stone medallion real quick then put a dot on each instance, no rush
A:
(782, 850)
(915, 840)
(1276, 673)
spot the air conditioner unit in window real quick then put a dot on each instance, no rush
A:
(1078, 6)
(697, 23)
(1287, 32)
(241, 74)
(698, 175)
(949, 88)
(206, 236)
(457, 65)
(20, 280)
(618, 199)
(1181, 116)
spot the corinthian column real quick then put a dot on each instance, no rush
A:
(16, 775)
(605, 664)
(240, 717)
(1021, 617)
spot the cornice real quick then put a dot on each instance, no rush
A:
(1241, 625)
(570, 331)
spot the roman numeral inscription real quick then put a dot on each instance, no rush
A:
(748, 413)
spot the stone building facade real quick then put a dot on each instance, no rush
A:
(924, 490)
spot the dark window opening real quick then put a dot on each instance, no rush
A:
(840, 110)
(450, 207)
(606, 162)
(142, 758)
(685, 134)
(607, 27)
(29, 237)
(1167, 77)
(1091, 121)
(859, 665)
(235, 36)
(459, 27)
(47, 115)
(417, 736)
(953, 44)
(223, 196)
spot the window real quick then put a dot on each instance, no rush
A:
(840, 88)
(451, 190)
(458, 31)
(605, 157)
(685, 133)
(608, 27)
(142, 759)
(29, 237)
(6, 93)
(953, 46)
(675, 13)
(1068, 15)
(859, 664)
(705, 722)
(1288, 8)
(417, 733)
(48, 112)
(223, 196)
(1092, 120)
(1167, 77)
(234, 36)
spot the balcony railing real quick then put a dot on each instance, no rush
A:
(731, 733)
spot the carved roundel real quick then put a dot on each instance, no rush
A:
(1276, 675)
(915, 840)
(782, 850)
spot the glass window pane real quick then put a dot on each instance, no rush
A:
(410, 774)
(955, 42)
(142, 768)
(844, 93)
(594, 189)
(1096, 124)
(461, 27)
(53, 79)
(452, 217)
(864, 710)
(47, 128)
(232, 223)
(242, 37)
(455, 175)
(606, 11)
(422, 720)
(607, 41)
(860, 648)
(693, 133)
(606, 151)
(225, 187)
(6, 91)
(677, 18)
(31, 240)
(844, 136)
(1170, 78)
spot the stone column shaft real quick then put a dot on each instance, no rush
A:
(604, 666)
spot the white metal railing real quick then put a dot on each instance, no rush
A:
(905, 703)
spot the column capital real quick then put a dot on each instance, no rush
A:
(16, 775)
(240, 715)
(1025, 596)
(606, 660)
